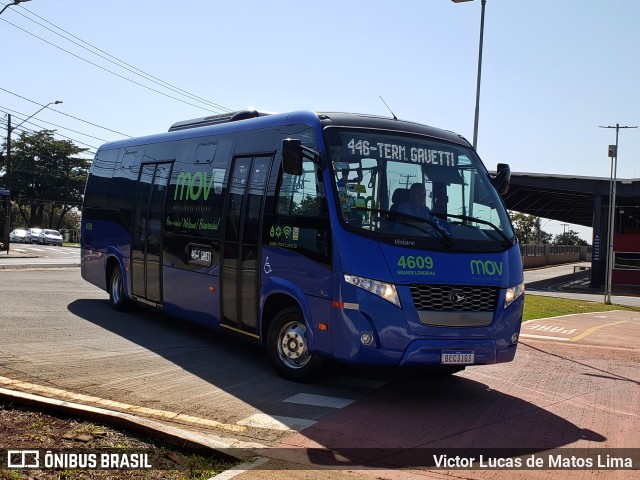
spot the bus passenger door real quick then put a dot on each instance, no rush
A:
(241, 246)
(146, 241)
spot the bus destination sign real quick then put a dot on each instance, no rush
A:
(401, 152)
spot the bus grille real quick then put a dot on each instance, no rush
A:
(454, 298)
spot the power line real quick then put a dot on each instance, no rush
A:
(7, 110)
(66, 114)
(117, 61)
(57, 133)
(106, 69)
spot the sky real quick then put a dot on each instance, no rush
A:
(552, 71)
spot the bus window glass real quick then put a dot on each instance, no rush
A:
(392, 184)
(299, 194)
(195, 198)
(206, 152)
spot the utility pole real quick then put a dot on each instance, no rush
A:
(7, 227)
(477, 111)
(407, 177)
(613, 153)
(7, 176)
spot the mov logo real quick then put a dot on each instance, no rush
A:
(488, 267)
(193, 186)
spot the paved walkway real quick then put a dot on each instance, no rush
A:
(572, 281)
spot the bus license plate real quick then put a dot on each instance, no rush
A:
(200, 255)
(457, 358)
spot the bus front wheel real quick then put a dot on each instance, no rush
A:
(117, 297)
(287, 347)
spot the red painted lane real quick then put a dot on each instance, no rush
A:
(556, 394)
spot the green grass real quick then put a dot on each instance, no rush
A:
(537, 306)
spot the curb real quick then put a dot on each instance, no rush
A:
(186, 440)
(36, 266)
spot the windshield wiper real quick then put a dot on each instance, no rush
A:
(507, 240)
(443, 233)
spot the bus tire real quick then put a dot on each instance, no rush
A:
(117, 297)
(287, 347)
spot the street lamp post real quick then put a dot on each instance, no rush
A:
(10, 129)
(15, 2)
(613, 153)
(477, 111)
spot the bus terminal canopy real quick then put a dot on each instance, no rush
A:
(572, 199)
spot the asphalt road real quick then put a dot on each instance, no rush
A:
(24, 254)
(565, 389)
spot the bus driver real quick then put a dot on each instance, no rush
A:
(417, 204)
(417, 207)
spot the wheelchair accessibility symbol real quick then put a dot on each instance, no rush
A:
(267, 266)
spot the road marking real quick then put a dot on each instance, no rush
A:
(577, 338)
(545, 337)
(275, 422)
(319, 400)
(119, 406)
(238, 469)
(593, 329)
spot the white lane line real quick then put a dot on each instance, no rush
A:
(319, 400)
(238, 469)
(359, 382)
(544, 337)
(275, 422)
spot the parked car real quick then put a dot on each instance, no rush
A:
(33, 234)
(18, 235)
(50, 237)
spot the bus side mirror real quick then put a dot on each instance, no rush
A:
(292, 153)
(502, 178)
(292, 156)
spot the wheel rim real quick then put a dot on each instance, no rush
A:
(292, 345)
(116, 287)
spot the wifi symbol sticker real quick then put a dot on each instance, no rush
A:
(287, 231)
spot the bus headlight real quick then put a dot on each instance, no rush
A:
(381, 289)
(513, 294)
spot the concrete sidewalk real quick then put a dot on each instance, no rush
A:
(18, 259)
(15, 254)
(569, 281)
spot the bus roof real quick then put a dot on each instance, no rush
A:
(323, 119)
(358, 120)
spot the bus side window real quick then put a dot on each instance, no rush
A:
(302, 207)
(300, 194)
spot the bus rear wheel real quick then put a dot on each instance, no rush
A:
(117, 297)
(287, 347)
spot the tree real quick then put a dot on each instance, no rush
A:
(47, 178)
(528, 230)
(569, 238)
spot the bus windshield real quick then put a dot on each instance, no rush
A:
(435, 193)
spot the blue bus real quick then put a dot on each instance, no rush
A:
(358, 238)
